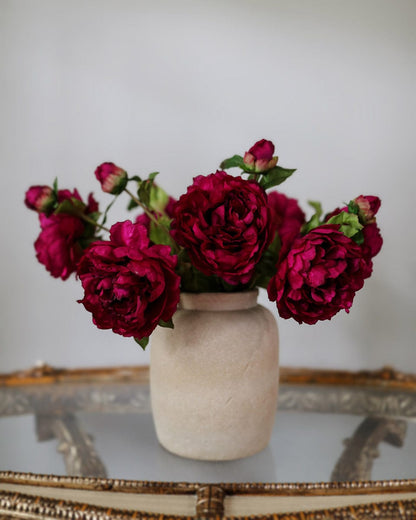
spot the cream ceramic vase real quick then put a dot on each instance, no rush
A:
(214, 377)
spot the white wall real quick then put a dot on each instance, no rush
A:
(179, 85)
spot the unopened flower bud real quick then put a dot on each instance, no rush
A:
(368, 205)
(112, 178)
(40, 198)
(260, 156)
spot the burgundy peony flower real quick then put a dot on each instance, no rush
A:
(319, 276)
(40, 198)
(368, 206)
(288, 218)
(129, 284)
(372, 241)
(224, 223)
(112, 178)
(59, 245)
(260, 156)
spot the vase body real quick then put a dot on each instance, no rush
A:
(214, 377)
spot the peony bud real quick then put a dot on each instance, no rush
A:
(260, 156)
(40, 198)
(112, 178)
(368, 205)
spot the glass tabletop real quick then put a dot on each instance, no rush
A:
(329, 427)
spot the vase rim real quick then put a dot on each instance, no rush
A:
(218, 301)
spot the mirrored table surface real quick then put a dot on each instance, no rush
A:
(330, 426)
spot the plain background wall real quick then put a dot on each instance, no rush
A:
(177, 86)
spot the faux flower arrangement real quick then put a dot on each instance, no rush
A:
(226, 233)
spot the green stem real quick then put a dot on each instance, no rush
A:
(93, 222)
(173, 246)
(137, 201)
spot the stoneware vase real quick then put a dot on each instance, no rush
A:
(214, 377)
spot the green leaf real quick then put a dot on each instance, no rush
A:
(359, 238)
(315, 220)
(233, 162)
(55, 187)
(275, 176)
(158, 198)
(142, 342)
(135, 178)
(144, 192)
(152, 176)
(94, 216)
(349, 223)
(159, 233)
(132, 205)
(167, 324)
(266, 268)
(353, 207)
(317, 206)
(71, 206)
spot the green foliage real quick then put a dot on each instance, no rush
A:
(158, 199)
(315, 220)
(159, 233)
(142, 342)
(70, 206)
(266, 268)
(349, 223)
(192, 280)
(55, 187)
(353, 207)
(167, 324)
(150, 195)
(359, 238)
(132, 205)
(145, 188)
(135, 178)
(233, 162)
(274, 177)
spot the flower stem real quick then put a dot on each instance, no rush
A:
(153, 219)
(137, 201)
(93, 222)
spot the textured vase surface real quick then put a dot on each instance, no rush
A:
(214, 377)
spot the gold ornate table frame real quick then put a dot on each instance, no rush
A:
(385, 398)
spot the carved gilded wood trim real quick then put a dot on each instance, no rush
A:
(210, 499)
(386, 378)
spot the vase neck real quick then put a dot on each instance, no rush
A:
(218, 301)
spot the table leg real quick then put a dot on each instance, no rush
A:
(356, 461)
(76, 446)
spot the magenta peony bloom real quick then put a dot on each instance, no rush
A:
(112, 178)
(59, 245)
(260, 156)
(224, 223)
(288, 218)
(129, 285)
(319, 276)
(372, 241)
(40, 199)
